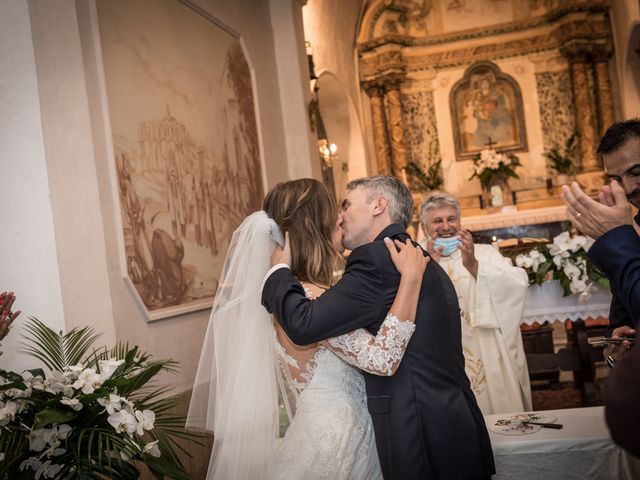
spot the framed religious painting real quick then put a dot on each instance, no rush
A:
(185, 147)
(487, 112)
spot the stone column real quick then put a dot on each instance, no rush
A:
(585, 116)
(379, 120)
(603, 90)
(396, 130)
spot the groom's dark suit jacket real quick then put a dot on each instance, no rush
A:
(426, 419)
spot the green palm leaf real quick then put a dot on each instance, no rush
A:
(56, 350)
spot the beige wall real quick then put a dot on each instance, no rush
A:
(330, 27)
(29, 263)
(65, 141)
(625, 23)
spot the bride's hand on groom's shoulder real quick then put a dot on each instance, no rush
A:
(282, 254)
(409, 259)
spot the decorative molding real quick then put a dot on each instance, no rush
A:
(554, 16)
(513, 218)
(578, 28)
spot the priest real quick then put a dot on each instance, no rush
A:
(491, 292)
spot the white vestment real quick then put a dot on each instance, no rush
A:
(492, 308)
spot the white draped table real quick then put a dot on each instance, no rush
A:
(546, 303)
(582, 450)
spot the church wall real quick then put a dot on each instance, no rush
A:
(88, 283)
(330, 28)
(29, 261)
(625, 22)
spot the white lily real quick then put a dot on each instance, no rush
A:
(88, 381)
(48, 470)
(123, 421)
(577, 285)
(39, 438)
(107, 367)
(146, 420)
(8, 412)
(152, 449)
(571, 271)
(74, 403)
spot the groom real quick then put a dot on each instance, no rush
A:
(426, 419)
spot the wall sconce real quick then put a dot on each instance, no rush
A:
(328, 152)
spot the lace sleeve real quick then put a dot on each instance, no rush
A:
(379, 355)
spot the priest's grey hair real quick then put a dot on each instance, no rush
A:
(399, 199)
(438, 200)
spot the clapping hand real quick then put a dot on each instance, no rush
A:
(597, 218)
(467, 248)
(409, 259)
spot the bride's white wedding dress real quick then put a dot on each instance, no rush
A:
(247, 359)
(331, 435)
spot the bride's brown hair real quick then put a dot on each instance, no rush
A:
(306, 210)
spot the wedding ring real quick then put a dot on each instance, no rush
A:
(578, 215)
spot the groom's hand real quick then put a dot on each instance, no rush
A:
(282, 255)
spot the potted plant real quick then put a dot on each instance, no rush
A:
(421, 180)
(494, 169)
(563, 161)
(92, 414)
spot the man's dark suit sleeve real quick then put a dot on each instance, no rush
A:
(618, 314)
(617, 253)
(622, 401)
(356, 301)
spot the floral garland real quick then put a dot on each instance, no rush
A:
(490, 164)
(565, 260)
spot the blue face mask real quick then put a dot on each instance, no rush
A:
(450, 245)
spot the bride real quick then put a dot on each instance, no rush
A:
(248, 363)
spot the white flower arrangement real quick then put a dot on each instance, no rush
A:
(565, 260)
(88, 418)
(489, 164)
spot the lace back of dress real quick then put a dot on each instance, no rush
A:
(296, 368)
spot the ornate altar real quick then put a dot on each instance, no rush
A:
(413, 53)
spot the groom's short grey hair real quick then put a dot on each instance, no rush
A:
(399, 199)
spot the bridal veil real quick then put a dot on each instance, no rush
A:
(235, 393)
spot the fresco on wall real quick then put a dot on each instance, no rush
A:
(186, 148)
(468, 14)
(487, 112)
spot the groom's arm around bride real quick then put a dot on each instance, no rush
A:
(426, 418)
